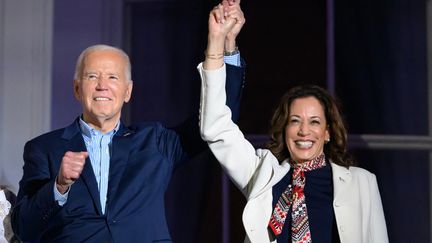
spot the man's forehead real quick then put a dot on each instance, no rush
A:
(104, 59)
(111, 55)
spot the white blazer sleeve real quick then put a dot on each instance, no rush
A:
(236, 155)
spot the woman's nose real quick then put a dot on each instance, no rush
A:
(303, 129)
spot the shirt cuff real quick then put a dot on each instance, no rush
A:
(60, 198)
(233, 60)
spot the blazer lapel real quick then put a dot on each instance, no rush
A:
(341, 181)
(76, 144)
(121, 146)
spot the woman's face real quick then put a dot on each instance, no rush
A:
(306, 131)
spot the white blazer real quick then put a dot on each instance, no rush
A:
(357, 202)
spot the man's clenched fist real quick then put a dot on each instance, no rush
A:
(70, 169)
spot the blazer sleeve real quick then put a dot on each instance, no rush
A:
(35, 202)
(236, 155)
(378, 233)
(235, 81)
(189, 142)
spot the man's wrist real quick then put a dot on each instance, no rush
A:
(61, 188)
(231, 53)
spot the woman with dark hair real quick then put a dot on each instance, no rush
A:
(303, 187)
(335, 150)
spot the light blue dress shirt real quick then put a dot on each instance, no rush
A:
(98, 146)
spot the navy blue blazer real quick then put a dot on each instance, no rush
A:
(142, 161)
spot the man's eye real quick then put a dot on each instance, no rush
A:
(113, 77)
(91, 77)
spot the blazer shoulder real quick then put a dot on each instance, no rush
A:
(44, 143)
(361, 173)
(147, 127)
(262, 152)
(359, 170)
(48, 137)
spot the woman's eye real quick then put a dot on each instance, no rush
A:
(294, 120)
(315, 122)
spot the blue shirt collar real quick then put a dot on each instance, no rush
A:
(89, 131)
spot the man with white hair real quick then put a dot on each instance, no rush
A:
(98, 180)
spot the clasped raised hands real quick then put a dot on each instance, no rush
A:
(226, 19)
(225, 22)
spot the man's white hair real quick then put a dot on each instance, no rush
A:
(101, 47)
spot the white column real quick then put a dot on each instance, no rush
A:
(25, 80)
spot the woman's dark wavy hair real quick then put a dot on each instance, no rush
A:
(336, 149)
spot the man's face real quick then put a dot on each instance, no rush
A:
(103, 88)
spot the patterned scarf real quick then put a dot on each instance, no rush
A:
(294, 196)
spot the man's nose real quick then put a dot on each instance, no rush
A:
(102, 83)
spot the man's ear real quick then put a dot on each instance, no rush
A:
(129, 92)
(76, 89)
